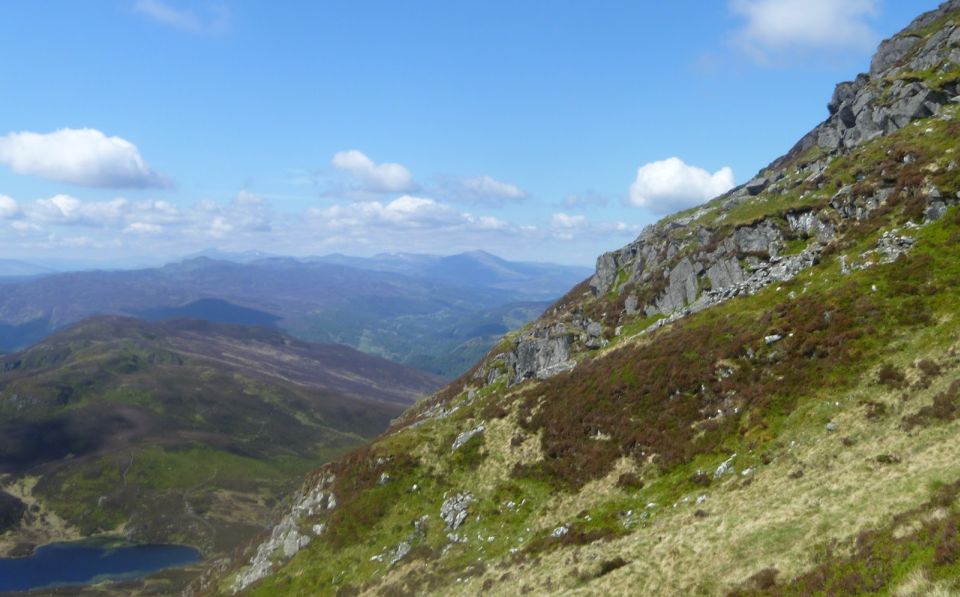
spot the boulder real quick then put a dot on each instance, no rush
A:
(755, 186)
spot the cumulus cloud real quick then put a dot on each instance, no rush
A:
(84, 157)
(244, 214)
(374, 178)
(486, 190)
(567, 222)
(404, 212)
(565, 226)
(67, 210)
(216, 18)
(670, 185)
(9, 208)
(142, 228)
(773, 27)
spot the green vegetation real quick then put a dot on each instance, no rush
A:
(608, 472)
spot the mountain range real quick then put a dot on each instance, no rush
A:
(437, 313)
(757, 396)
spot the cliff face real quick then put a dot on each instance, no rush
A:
(760, 395)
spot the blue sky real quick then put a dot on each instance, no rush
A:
(141, 130)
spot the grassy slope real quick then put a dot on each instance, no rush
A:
(616, 450)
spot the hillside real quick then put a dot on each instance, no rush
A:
(182, 431)
(757, 396)
(436, 317)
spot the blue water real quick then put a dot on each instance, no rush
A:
(84, 563)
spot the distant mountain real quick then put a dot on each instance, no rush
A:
(541, 281)
(212, 310)
(11, 268)
(181, 431)
(234, 256)
(436, 315)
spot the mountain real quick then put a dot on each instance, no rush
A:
(758, 396)
(11, 268)
(182, 431)
(234, 256)
(543, 281)
(428, 320)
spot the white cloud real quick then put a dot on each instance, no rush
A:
(247, 198)
(9, 208)
(245, 213)
(374, 178)
(142, 228)
(216, 19)
(564, 221)
(403, 212)
(220, 227)
(488, 190)
(568, 227)
(776, 26)
(670, 185)
(67, 210)
(84, 157)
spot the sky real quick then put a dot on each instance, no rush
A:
(138, 131)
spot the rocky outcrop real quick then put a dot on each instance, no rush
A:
(680, 266)
(894, 92)
(455, 509)
(466, 436)
(287, 537)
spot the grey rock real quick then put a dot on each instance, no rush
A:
(606, 274)
(540, 353)
(934, 211)
(725, 468)
(594, 329)
(772, 339)
(466, 436)
(293, 542)
(763, 237)
(286, 540)
(755, 186)
(681, 288)
(454, 510)
(890, 52)
(725, 273)
(400, 552)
